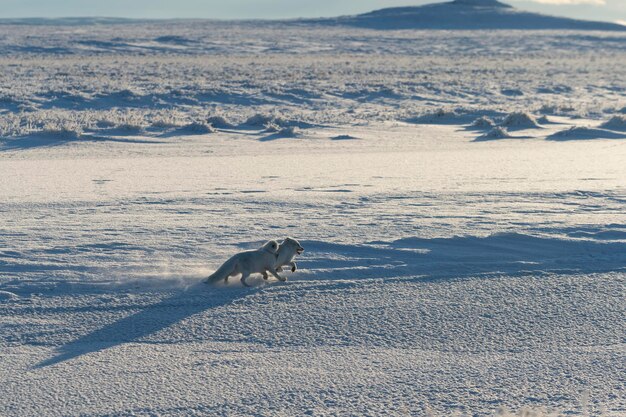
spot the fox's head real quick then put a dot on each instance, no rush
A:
(293, 244)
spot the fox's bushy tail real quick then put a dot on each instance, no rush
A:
(222, 272)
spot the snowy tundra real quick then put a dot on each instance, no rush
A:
(461, 196)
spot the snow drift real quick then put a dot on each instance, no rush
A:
(582, 132)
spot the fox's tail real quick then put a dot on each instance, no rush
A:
(222, 272)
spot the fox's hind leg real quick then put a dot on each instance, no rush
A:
(245, 275)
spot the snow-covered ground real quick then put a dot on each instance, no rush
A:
(461, 197)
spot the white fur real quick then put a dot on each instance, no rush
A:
(249, 262)
(287, 251)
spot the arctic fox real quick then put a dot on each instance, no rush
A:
(287, 250)
(249, 262)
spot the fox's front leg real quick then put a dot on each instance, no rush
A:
(264, 273)
(278, 276)
(293, 266)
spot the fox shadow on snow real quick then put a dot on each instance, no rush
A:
(149, 320)
(417, 259)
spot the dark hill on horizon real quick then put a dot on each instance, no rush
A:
(464, 15)
(452, 15)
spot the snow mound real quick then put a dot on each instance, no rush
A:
(483, 122)
(276, 132)
(439, 116)
(64, 133)
(344, 137)
(220, 122)
(581, 133)
(520, 120)
(165, 123)
(617, 122)
(272, 123)
(198, 128)
(496, 133)
(161, 125)
(105, 124)
(129, 128)
(261, 120)
(289, 132)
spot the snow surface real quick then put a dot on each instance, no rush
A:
(442, 274)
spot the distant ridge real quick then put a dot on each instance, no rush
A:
(452, 15)
(465, 14)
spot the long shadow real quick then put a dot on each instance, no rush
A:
(499, 254)
(149, 320)
(408, 259)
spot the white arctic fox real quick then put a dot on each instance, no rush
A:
(287, 250)
(249, 262)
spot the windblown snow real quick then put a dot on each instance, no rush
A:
(460, 195)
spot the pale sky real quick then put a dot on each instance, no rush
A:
(609, 10)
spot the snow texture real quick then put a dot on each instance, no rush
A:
(443, 274)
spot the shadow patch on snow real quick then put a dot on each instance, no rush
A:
(511, 92)
(498, 254)
(36, 140)
(174, 39)
(8, 296)
(168, 311)
(344, 137)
